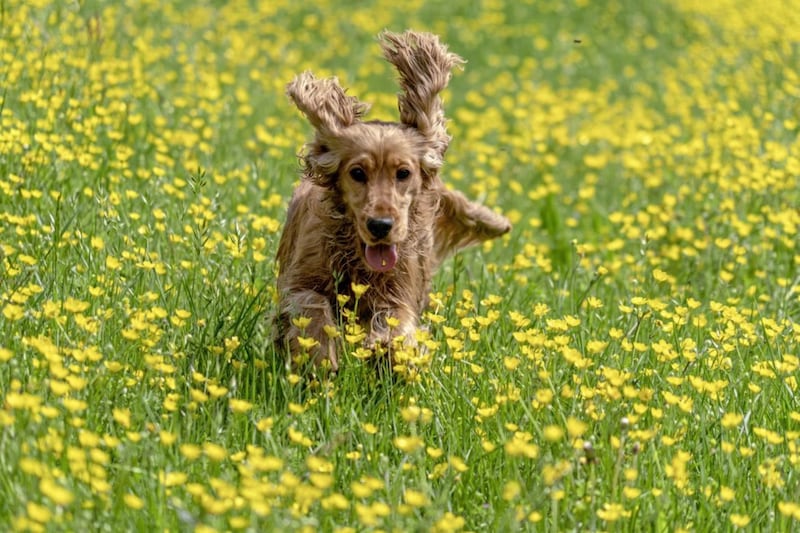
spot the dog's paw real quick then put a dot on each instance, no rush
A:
(378, 344)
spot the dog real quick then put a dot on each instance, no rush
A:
(371, 209)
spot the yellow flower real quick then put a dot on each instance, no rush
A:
(434, 453)
(75, 306)
(361, 490)
(239, 406)
(167, 438)
(265, 424)
(366, 516)
(358, 290)
(55, 493)
(113, 366)
(552, 433)
(217, 391)
(198, 396)
(660, 276)
(551, 474)
(173, 479)
(544, 396)
(238, 522)
(408, 444)
(458, 464)
(190, 451)
(740, 520)
(266, 463)
(611, 512)
(307, 343)
(50, 412)
(331, 331)
(575, 428)
(731, 420)
(415, 498)
(520, 445)
(38, 513)
(74, 405)
(297, 437)
(410, 413)
(631, 492)
(768, 435)
(789, 509)
(727, 494)
(133, 501)
(335, 501)
(231, 344)
(215, 452)
(59, 388)
(511, 490)
(596, 346)
(13, 312)
(301, 322)
(321, 480)
(449, 522)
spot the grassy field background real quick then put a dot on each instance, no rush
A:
(626, 359)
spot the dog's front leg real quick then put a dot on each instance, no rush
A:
(389, 324)
(305, 315)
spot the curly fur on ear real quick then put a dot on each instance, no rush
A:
(424, 65)
(324, 103)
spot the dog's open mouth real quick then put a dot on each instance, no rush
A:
(381, 257)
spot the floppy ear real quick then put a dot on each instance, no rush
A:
(461, 223)
(424, 65)
(324, 103)
(328, 108)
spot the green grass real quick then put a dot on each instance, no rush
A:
(626, 359)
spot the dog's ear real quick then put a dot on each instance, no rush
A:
(328, 108)
(461, 223)
(424, 65)
(325, 103)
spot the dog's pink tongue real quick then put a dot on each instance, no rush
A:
(381, 257)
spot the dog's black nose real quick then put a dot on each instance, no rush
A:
(380, 227)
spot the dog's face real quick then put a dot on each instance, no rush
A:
(379, 177)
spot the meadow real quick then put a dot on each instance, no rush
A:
(626, 359)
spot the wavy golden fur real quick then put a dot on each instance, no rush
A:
(371, 208)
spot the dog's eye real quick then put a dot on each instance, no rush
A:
(358, 174)
(403, 174)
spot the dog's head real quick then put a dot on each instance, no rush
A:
(378, 167)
